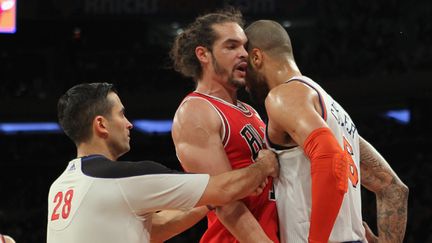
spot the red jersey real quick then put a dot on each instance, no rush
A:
(243, 133)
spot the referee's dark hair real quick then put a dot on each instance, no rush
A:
(77, 108)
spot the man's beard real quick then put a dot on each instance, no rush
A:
(257, 85)
(221, 71)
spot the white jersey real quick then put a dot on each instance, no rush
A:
(293, 186)
(97, 200)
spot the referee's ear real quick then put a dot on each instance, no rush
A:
(100, 127)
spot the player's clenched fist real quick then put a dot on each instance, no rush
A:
(270, 162)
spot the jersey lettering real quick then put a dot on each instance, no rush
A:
(253, 139)
(272, 194)
(352, 168)
(343, 119)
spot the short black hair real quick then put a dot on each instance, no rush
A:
(77, 108)
(269, 36)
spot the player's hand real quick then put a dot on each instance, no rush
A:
(260, 189)
(269, 159)
(370, 236)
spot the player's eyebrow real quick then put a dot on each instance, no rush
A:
(232, 41)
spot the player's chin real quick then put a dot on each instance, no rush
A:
(238, 83)
(239, 80)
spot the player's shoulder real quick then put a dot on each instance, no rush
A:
(294, 86)
(196, 111)
(288, 91)
(290, 95)
(196, 103)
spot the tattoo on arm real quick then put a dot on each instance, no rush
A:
(391, 193)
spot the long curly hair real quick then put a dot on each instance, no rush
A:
(199, 33)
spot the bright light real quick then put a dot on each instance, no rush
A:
(6, 5)
(143, 125)
(29, 127)
(8, 16)
(286, 23)
(403, 116)
(153, 126)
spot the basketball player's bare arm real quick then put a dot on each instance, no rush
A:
(221, 189)
(197, 138)
(169, 223)
(391, 194)
(294, 109)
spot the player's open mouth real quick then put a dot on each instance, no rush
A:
(241, 68)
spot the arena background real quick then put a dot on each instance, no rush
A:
(372, 56)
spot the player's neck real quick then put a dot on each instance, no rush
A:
(282, 72)
(217, 89)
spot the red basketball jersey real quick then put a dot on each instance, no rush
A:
(243, 133)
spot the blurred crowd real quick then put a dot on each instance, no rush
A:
(341, 39)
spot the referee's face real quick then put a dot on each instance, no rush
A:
(118, 127)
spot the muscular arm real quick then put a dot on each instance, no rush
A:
(197, 138)
(390, 191)
(169, 223)
(294, 109)
(221, 189)
(237, 184)
(237, 218)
